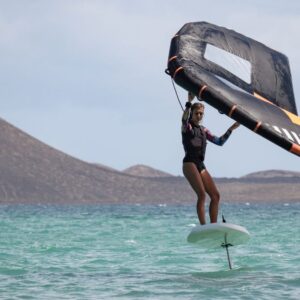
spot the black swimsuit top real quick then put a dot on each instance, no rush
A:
(194, 142)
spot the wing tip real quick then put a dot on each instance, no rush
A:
(295, 149)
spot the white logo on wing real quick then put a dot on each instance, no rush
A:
(291, 135)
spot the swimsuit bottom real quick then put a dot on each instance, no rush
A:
(199, 163)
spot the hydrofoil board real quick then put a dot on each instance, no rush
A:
(217, 235)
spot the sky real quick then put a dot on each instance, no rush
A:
(87, 78)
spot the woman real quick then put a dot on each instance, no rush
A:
(194, 137)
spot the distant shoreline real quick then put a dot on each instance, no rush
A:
(35, 173)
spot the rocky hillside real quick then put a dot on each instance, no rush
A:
(33, 172)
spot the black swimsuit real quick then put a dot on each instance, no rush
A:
(194, 139)
(194, 143)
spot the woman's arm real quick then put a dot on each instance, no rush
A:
(222, 139)
(186, 114)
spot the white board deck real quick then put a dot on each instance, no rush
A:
(213, 235)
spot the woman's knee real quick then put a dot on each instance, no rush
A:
(215, 197)
(201, 196)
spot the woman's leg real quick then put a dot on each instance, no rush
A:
(213, 193)
(192, 174)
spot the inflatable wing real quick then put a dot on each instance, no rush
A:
(264, 102)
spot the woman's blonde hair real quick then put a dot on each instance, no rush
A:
(197, 105)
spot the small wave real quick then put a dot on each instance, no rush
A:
(131, 242)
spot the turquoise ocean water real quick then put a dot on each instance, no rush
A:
(140, 252)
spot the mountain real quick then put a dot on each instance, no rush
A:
(145, 171)
(33, 172)
(273, 174)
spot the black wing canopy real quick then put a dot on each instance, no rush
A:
(265, 103)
